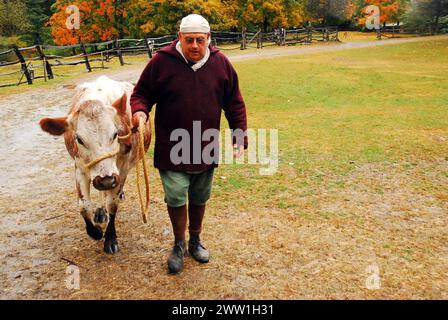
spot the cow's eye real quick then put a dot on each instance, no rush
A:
(115, 136)
(79, 140)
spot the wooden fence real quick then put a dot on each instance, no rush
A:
(397, 31)
(51, 57)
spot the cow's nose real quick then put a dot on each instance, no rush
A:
(106, 183)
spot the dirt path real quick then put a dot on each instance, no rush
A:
(42, 230)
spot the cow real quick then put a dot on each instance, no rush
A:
(98, 137)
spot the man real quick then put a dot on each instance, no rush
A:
(191, 83)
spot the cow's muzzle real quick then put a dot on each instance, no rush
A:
(106, 183)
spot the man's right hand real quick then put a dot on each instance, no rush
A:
(136, 120)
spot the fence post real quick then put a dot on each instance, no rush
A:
(47, 66)
(378, 34)
(86, 58)
(102, 60)
(23, 64)
(149, 48)
(260, 40)
(45, 70)
(309, 35)
(120, 56)
(243, 40)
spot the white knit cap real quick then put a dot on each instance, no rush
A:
(194, 23)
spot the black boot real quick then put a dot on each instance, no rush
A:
(176, 258)
(197, 250)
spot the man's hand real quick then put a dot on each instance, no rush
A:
(238, 151)
(136, 120)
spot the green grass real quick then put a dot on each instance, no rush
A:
(338, 111)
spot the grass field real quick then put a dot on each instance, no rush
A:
(362, 185)
(379, 105)
(362, 179)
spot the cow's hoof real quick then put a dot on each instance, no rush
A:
(111, 246)
(93, 231)
(100, 216)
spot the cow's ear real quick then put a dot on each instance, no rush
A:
(54, 126)
(121, 104)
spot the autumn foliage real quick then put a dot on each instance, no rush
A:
(390, 10)
(103, 20)
(100, 20)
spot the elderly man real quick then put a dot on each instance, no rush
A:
(191, 83)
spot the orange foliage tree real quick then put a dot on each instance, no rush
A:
(390, 10)
(100, 20)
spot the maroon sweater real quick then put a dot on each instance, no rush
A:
(183, 96)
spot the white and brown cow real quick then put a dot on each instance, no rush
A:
(99, 124)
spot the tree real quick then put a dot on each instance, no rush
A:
(61, 33)
(268, 14)
(12, 24)
(295, 12)
(390, 10)
(110, 19)
(37, 15)
(139, 12)
(161, 17)
(272, 14)
(328, 12)
(427, 14)
(100, 20)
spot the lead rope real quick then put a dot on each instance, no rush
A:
(141, 156)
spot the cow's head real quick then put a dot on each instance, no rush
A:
(92, 131)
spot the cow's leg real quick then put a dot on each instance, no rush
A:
(83, 187)
(100, 217)
(120, 194)
(124, 170)
(110, 242)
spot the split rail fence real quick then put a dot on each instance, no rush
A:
(25, 65)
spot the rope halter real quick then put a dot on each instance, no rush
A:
(107, 155)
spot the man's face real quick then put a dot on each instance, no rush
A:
(194, 45)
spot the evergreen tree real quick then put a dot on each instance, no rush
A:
(38, 13)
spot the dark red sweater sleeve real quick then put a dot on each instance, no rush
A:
(144, 95)
(234, 106)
